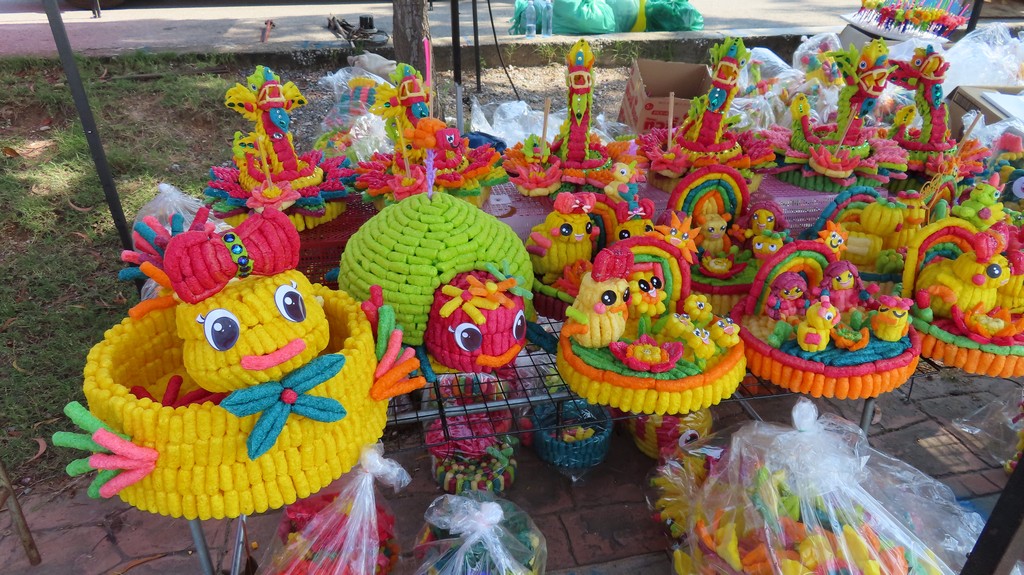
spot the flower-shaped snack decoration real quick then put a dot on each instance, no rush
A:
(278, 400)
(645, 354)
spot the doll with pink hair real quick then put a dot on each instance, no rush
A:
(788, 297)
(843, 285)
(762, 215)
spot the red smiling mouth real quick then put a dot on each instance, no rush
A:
(274, 358)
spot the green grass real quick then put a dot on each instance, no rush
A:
(60, 254)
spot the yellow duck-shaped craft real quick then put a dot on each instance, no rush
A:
(814, 333)
(972, 279)
(598, 316)
(891, 321)
(699, 346)
(563, 238)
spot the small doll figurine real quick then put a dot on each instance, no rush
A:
(891, 321)
(763, 215)
(843, 285)
(713, 237)
(788, 298)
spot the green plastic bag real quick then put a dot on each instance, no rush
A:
(673, 16)
(625, 12)
(583, 17)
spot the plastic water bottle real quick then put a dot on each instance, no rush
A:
(530, 16)
(548, 22)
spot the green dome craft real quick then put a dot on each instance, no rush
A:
(414, 247)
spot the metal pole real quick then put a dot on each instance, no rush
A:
(99, 157)
(476, 46)
(456, 49)
(867, 415)
(240, 539)
(458, 106)
(201, 549)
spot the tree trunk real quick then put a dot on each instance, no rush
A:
(411, 27)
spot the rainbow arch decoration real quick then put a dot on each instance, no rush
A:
(663, 256)
(805, 257)
(937, 236)
(845, 207)
(603, 216)
(719, 189)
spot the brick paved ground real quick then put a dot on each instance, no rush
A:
(598, 525)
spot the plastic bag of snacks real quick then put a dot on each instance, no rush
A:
(996, 425)
(348, 128)
(347, 532)
(801, 500)
(478, 535)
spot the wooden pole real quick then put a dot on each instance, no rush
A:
(544, 130)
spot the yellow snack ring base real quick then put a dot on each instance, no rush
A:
(203, 470)
(649, 395)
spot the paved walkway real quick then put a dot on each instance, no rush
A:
(597, 526)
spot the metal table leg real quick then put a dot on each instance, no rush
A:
(241, 538)
(201, 548)
(867, 415)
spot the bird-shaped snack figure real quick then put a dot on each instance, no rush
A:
(565, 237)
(699, 346)
(891, 321)
(982, 208)
(242, 387)
(788, 298)
(815, 331)
(598, 316)
(477, 322)
(623, 187)
(971, 280)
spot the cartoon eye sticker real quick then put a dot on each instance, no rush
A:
(624, 234)
(656, 282)
(773, 247)
(759, 245)
(519, 326)
(565, 229)
(700, 305)
(829, 316)
(290, 303)
(589, 227)
(994, 271)
(467, 337)
(643, 285)
(648, 228)
(221, 328)
(688, 436)
(450, 139)
(625, 295)
(609, 298)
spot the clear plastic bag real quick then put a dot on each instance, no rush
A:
(348, 128)
(996, 426)
(989, 56)
(479, 535)
(811, 58)
(349, 532)
(806, 500)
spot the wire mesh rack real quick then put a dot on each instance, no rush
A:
(473, 406)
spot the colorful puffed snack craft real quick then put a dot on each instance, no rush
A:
(455, 275)
(831, 157)
(268, 171)
(964, 302)
(657, 434)
(565, 237)
(829, 345)
(430, 156)
(672, 359)
(239, 390)
(575, 160)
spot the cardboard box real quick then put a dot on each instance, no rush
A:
(967, 98)
(645, 103)
(853, 35)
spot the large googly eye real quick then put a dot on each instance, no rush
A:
(700, 305)
(994, 271)
(773, 247)
(609, 298)
(688, 436)
(643, 285)
(519, 327)
(468, 337)
(758, 245)
(829, 316)
(589, 227)
(450, 138)
(565, 230)
(696, 331)
(289, 302)
(625, 295)
(221, 329)
(624, 235)
(656, 282)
